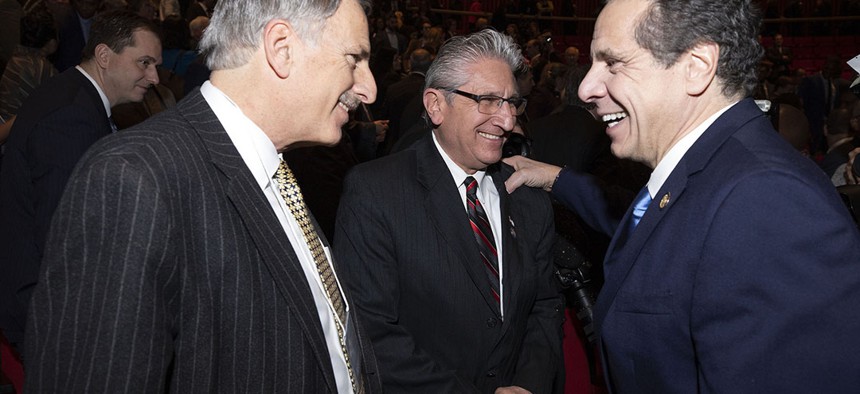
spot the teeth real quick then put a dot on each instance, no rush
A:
(490, 136)
(612, 117)
(344, 106)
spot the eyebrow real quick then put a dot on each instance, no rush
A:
(364, 54)
(148, 58)
(605, 53)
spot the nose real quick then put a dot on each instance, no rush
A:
(152, 75)
(365, 85)
(592, 86)
(506, 117)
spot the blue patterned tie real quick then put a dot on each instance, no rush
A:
(640, 205)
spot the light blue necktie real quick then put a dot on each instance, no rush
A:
(640, 205)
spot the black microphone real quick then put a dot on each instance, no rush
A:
(573, 272)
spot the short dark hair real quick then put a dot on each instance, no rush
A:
(116, 30)
(671, 27)
(37, 28)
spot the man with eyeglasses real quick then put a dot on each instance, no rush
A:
(451, 274)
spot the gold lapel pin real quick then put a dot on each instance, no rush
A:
(665, 200)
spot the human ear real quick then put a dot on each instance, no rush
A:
(279, 41)
(102, 54)
(434, 100)
(701, 67)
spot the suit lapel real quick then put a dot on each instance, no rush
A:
(263, 226)
(448, 214)
(624, 250)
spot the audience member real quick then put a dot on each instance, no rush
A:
(169, 9)
(29, 66)
(319, 171)
(475, 7)
(197, 72)
(544, 9)
(820, 94)
(445, 313)
(843, 173)
(53, 129)
(391, 37)
(840, 140)
(73, 32)
(481, 24)
(851, 177)
(537, 60)
(571, 56)
(207, 258)
(405, 96)
(780, 56)
(198, 8)
(721, 273)
(385, 65)
(10, 15)
(366, 132)
(176, 55)
(793, 126)
(196, 28)
(544, 98)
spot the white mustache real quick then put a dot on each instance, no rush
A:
(350, 99)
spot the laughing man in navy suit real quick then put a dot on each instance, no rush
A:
(741, 275)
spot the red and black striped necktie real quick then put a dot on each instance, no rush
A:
(483, 235)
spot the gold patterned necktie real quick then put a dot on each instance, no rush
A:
(292, 195)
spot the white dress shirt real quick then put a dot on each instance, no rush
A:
(676, 153)
(102, 94)
(262, 159)
(489, 197)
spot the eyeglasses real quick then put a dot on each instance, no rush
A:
(489, 104)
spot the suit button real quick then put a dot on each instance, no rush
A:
(491, 322)
(491, 373)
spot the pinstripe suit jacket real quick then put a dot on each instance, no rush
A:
(167, 271)
(412, 262)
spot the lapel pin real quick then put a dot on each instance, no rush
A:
(513, 231)
(665, 200)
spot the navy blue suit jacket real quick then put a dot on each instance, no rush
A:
(54, 127)
(742, 276)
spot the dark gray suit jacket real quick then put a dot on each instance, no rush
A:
(411, 261)
(166, 270)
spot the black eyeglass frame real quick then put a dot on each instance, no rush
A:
(518, 103)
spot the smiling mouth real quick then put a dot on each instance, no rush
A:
(613, 119)
(490, 136)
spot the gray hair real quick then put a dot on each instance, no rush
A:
(669, 28)
(234, 31)
(448, 71)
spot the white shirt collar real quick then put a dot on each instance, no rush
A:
(255, 147)
(456, 172)
(102, 94)
(677, 152)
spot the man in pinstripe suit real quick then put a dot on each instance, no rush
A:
(174, 263)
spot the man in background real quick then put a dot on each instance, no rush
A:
(57, 123)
